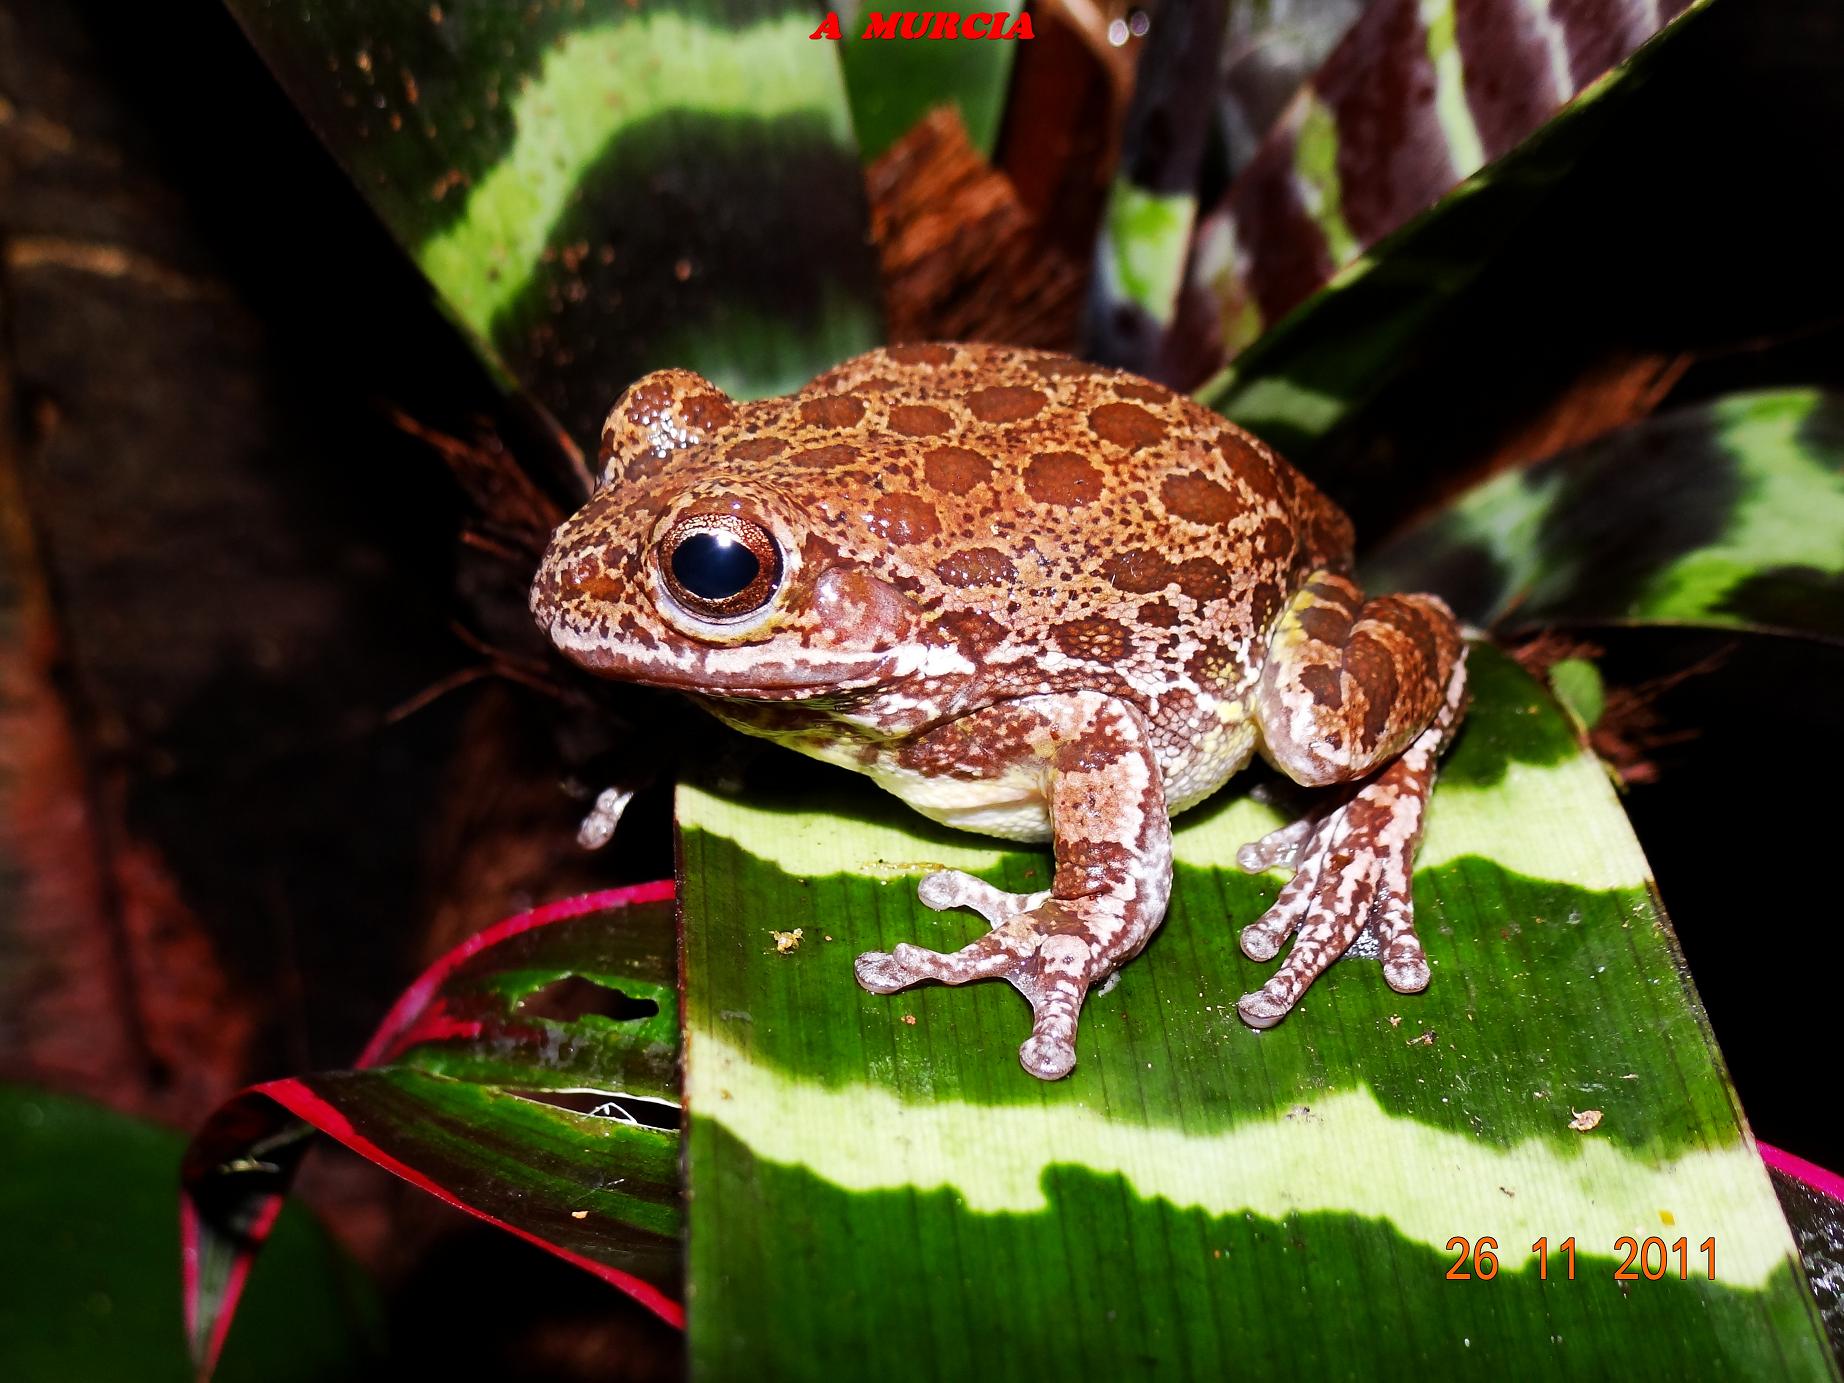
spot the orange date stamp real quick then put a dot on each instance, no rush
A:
(1642, 1260)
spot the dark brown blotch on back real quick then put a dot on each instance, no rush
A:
(976, 566)
(1159, 614)
(919, 420)
(836, 410)
(825, 458)
(1062, 479)
(955, 470)
(973, 630)
(1138, 571)
(756, 449)
(1096, 638)
(1199, 499)
(1126, 425)
(1004, 403)
(922, 353)
(1203, 580)
(1275, 541)
(904, 519)
(1251, 467)
(706, 412)
(1141, 391)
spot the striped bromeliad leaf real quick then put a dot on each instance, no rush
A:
(1152, 206)
(1419, 96)
(893, 83)
(1271, 49)
(1729, 514)
(529, 1078)
(1331, 355)
(1254, 57)
(601, 188)
(1382, 1186)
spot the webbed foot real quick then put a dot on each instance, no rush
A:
(1050, 950)
(1351, 883)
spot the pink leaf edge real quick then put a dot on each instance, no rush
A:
(1826, 1183)
(400, 1022)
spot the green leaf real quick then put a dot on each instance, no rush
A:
(1579, 690)
(528, 1078)
(1727, 515)
(876, 1188)
(1316, 364)
(1273, 49)
(87, 1286)
(893, 83)
(599, 189)
(1419, 96)
(1146, 231)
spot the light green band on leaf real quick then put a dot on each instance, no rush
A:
(1222, 266)
(809, 844)
(1546, 801)
(1429, 1183)
(1315, 177)
(1790, 512)
(593, 84)
(1464, 147)
(1148, 236)
(1275, 403)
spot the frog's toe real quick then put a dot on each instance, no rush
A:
(885, 972)
(1048, 1056)
(1277, 850)
(1346, 888)
(1055, 982)
(950, 888)
(1405, 964)
(879, 972)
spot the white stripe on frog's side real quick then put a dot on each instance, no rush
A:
(711, 664)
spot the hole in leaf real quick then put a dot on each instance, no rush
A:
(575, 997)
(602, 1104)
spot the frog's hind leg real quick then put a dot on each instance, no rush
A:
(1112, 879)
(1348, 682)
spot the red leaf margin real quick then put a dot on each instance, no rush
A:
(275, 1103)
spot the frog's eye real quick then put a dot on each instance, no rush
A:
(719, 565)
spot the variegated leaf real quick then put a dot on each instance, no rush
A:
(1420, 96)
(1728, 515)
(528, 1078)
(877, 1189)
(601, 188)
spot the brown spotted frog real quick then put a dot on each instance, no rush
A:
(1034, 598)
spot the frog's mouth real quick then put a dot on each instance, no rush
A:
(745, 672)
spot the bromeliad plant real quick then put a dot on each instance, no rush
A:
(833, 1183)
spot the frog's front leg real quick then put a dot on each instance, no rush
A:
(1364, 693)
(1100, 785)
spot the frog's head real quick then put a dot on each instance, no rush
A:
(692, 567)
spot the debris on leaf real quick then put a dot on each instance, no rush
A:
(1426, 1039)
(1584, 1119)
(786, 941)
(910, 1019)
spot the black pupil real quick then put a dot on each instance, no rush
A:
(713, 566)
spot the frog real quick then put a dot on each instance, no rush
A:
(1039, 599)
